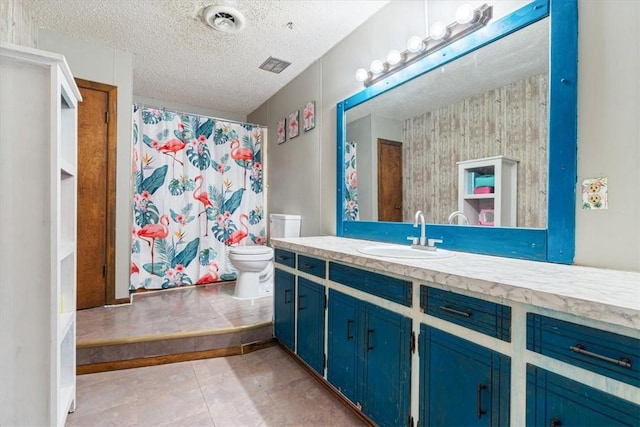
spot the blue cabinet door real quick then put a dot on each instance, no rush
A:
(461, 383)
(283, 307)
(387, 366)
(342, 343)
(553, 400)
(310, 331)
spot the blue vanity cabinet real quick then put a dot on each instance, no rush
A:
(369, 358)
(310, 330)
(284, 308)
(553, 400)
(461, 383)
(342, 343)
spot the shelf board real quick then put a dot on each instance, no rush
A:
(65, 249)
(65, 322)
(67, 169)
(479, 196)
(67, 396)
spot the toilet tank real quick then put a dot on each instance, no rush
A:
(281, 225)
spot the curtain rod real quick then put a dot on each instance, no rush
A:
(143, 105)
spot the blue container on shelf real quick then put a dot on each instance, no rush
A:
(485, 181)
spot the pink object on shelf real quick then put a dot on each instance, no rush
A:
(483, 190)
(486, 217)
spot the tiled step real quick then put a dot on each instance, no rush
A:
(113, 354)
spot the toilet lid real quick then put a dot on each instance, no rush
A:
(251, 250)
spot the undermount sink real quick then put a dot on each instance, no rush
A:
(404, 252)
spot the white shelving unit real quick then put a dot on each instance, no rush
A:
(38, 187)
(502, 201)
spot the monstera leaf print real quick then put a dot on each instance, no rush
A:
(195, 131)
(177, 186)
(223, 135)
(198, 153)
(256, 215)
(207, 255)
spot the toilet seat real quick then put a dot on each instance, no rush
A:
(251, 250)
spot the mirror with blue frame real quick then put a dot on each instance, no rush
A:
(500, 101)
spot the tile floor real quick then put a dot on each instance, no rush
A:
(192, 309)
(263, 388)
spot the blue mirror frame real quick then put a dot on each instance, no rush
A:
(556, 243)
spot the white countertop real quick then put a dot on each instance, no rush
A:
(607, 295)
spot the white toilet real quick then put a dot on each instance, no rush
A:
(255, 263)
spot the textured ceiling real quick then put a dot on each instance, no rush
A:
(178, 58)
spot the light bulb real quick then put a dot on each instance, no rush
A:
(438, 30)
(362, 74)
(415, 44)
(465, 14)
(376, 66)
(394, 57)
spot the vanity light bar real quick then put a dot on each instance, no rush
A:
(418, 49)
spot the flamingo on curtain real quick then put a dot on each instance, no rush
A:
(153, 232)
(203, 198)
(239, 235)
(243, 157)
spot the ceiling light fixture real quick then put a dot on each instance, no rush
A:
(467, 21)
(223, 18)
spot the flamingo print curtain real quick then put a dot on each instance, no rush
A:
(197, 191)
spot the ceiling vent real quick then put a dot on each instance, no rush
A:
(223, 18)
(274, 65)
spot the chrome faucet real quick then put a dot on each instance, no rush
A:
(455, 214)
(423, 234)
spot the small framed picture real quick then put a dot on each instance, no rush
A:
(281, 133)
(309, 116)
(294, 129)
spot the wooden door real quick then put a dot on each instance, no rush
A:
(389, 180)
(96, 194)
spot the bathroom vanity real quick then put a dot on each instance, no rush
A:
(463, 340)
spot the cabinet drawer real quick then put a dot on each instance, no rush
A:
(390, 288)
(313, 266)
(482, 316)
(285, 258)
(606, 353)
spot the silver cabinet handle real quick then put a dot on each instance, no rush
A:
(454, 311)
(625, 362)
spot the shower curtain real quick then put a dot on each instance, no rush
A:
(351, 212)
(197, 191)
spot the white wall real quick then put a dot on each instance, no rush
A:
(608, 125)
(293, 172)
(609, 132)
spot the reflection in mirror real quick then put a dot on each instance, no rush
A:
(425, 144)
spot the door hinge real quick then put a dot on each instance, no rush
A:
(412, 346)
(410, 421)
(325, 302)
(324, 361)
(104, 270)
(106, 117)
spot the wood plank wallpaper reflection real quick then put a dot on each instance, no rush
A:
(509, 121)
